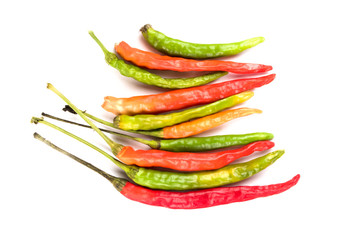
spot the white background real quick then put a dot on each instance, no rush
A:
(311, 108)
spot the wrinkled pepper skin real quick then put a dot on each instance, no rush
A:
(182, 98)
(199, 125)
(148, 78)
(175, 47)
(187, 161)
(203, 124)
(199, 144)
(150, 122)
(204, 179)
(182, 200)
(162, 62)
(203, 198)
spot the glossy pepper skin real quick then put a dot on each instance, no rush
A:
(182, 98)
(204, 179)
(148, 78)
(183, 200)
(187, 161)
(160, 62)
(175, 47)
(150, 122)
(203, 198)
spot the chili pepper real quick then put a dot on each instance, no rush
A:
(183, 200)
(184, 180)
(146, 77)
(150, 122)
(175, 47)
(190, 144)
(155, 61)
(174, 160)
(182, 98)
(189, 128)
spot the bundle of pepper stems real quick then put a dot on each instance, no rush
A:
(200, 175)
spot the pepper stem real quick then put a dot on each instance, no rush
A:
(153, 133)
(150, 143)
(67, 108)
(109, 57)
(115, 147)
(123, 166)
(119, 182)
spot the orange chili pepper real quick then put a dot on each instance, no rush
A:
(160, 62)
(205, 123)
(182, 98)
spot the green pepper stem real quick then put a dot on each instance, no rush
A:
(118, 182)
(153, 133)
(109, 57)
(150, 143)
(99, 43)
(115, 147)
(117, 162)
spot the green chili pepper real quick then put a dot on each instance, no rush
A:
(175, 47)
(150, 122)
(204, 179)
(190, 144)
(199, 144)
(184, 181)
(146, 77)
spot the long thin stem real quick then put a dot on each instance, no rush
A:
(99, 43)
(115, 147)
(114, 160)
(153, 133)
(67, 108)
(89, 165)
(151, 143)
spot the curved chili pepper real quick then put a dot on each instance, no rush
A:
(146, 77)
(183, 200)
(182, 98)
(150, 122)
(190, 144)
(189, 128)
(200, 125)
(175, 47)
(181, 161)
(186, 180)
(160, 158)
(187, 161)
(159, 62)
(203, 198)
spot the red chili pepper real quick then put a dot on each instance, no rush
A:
(155, 61)
(186, 161)
(182, 98)
(203, 198)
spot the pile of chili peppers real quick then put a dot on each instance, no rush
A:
(200, 177)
